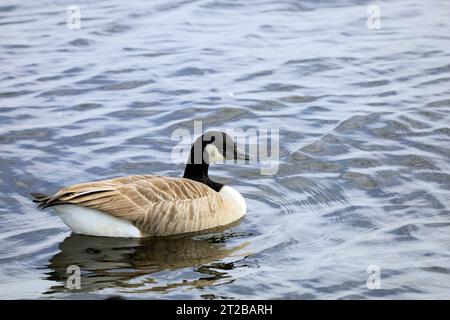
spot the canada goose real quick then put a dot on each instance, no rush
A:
(144, 205)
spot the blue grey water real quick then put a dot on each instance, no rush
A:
(364, 122)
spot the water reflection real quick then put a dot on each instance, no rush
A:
(135, 263)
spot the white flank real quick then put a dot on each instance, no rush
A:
(95, 223)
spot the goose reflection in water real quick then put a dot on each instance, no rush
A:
(133, 264)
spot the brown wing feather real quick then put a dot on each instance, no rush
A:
(156, 205)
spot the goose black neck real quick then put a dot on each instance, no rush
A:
(199, 172)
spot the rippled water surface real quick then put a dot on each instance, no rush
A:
(364, 120)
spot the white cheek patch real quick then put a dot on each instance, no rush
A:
(214, 155)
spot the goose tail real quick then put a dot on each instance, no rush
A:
(40, 198)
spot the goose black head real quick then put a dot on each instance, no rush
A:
(211, 147)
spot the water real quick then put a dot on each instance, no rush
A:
(364, 128)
